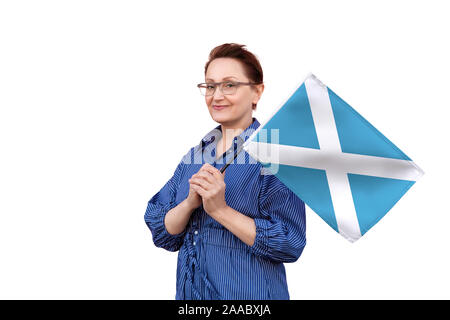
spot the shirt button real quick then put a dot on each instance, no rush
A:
(194, 243)
(195, 232)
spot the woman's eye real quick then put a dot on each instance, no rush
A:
(210, 87)
(230, 85)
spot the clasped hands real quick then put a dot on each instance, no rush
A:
(207, 186)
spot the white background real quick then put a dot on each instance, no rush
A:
(99, 103)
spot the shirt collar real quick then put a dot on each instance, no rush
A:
(216, 133)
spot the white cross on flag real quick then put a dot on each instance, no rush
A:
(332, 158)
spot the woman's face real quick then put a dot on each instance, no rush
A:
(238, 105)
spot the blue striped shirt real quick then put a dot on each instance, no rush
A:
(212, 262)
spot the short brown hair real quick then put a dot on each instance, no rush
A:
(250, 62)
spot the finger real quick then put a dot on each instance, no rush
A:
(205, 168)
(207, 165)
(217, 174)
(200, 172)
(198, 189)
(206, 175)
(214, 171)
(201, 182)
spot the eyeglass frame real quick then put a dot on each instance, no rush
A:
(238, 83)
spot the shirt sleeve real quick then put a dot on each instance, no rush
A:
(157, 208)
(281, 231)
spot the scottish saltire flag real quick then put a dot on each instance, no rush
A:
(332, 158)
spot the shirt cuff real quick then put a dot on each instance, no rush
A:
(267, 233)
(161, 237)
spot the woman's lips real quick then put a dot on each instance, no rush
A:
(219, 107)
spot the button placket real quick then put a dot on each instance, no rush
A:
(195, 240)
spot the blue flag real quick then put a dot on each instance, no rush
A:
(332, 158)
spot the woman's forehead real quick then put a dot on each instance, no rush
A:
(221, 69)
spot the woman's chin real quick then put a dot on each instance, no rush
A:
(220, 116)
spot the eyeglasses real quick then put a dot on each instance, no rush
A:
(226, 87)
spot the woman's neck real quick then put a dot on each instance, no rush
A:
(229, 131)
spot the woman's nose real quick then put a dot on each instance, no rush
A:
(218, 93)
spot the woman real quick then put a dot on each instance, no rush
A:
(233, 230)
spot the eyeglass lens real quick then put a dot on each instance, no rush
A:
(227, 88)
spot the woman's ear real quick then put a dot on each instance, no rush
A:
(259, 91)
